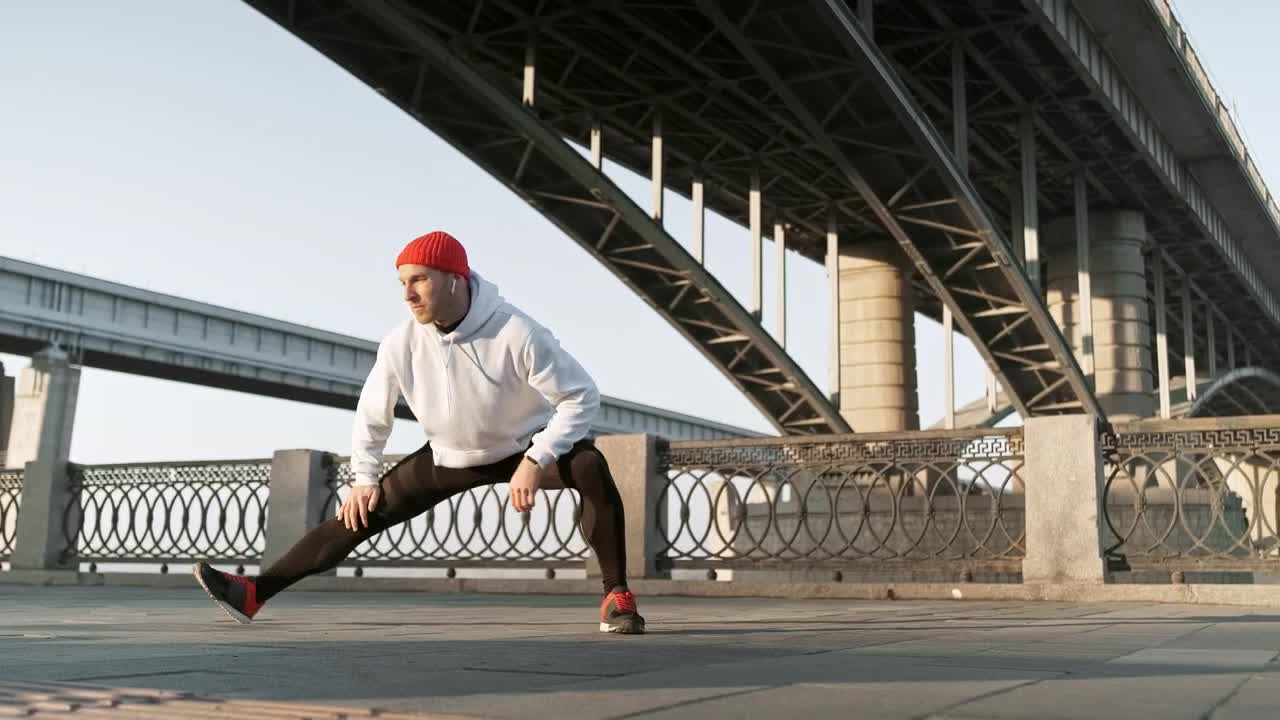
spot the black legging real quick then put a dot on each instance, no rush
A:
(415, 485)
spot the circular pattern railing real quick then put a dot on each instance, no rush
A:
(474, 528)
(1201, 497)
(10, 499)
(168, 511)
(835, 501)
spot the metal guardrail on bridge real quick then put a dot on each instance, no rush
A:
(920, 500)
(168, 512)
(10, 498)
(1179, 496)
(1195, 494)
(889, 502)
(475, 528)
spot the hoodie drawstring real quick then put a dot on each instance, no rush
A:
(448, 381)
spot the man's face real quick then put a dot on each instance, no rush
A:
(426, 291)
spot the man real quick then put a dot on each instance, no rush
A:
(500, 401)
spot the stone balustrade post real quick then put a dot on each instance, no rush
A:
(1064, 500)
(299, 488)
(41, 541)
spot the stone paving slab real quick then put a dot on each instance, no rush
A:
(59, 700)
(414, 654)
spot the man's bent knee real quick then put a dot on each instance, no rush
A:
(590, 466)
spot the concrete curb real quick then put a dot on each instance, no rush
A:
(1260, 596)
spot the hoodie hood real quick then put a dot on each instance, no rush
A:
(485, 301)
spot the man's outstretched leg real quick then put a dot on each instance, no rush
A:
(408, 489)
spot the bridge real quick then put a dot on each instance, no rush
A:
(1058, 181)
(920, 150)
(1080, 205)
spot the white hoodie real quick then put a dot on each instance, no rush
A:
(480, 392)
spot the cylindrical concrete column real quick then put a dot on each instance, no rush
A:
(877, 340)
(1121, 333)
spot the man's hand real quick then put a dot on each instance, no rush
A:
(356, 508)
(524, 485)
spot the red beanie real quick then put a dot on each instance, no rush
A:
(438, 250)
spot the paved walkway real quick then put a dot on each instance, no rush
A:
(69, 651)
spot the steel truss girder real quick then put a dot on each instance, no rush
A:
(1075, 131)
(487, 122)
(1250, 390)
(725, 133)
(1081, 51)
(1045, 64)
(925, 203)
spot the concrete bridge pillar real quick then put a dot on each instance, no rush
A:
(1121, 332)
(44, 409)
(877, 340)
(40, 442)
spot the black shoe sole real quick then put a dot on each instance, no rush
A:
(628, 626)
(234, 613)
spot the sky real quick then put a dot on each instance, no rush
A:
(195, 148)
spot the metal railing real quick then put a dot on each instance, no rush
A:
(168, 512)
(1200, 495)
(1195, 494)
(10, 499)
(476, 528)
(953, 498)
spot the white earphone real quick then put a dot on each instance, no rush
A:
(453, 284)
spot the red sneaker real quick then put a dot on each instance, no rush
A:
(618, 613)
(236, 595)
